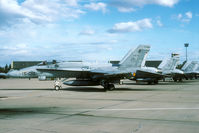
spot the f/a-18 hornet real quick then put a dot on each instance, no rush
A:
(87, 74)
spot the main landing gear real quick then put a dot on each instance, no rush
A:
(154, 81)
(177, 79)
(108, 86)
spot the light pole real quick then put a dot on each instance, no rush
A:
(186, 45)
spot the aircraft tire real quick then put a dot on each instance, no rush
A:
(57, 87)
(111, 87)
(106, 86)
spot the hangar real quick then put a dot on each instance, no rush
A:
(23, 64)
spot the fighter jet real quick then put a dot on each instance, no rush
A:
(89, 74)
(190, 70)
(169, 69)
(166, 69)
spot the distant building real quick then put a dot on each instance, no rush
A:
(23, 64)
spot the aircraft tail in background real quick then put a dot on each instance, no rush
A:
(190, 66)
(169, 64)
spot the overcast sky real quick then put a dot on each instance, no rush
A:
(99, 30)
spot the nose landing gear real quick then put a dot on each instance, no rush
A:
(57, 85)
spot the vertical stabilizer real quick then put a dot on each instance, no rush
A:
(169, 64)
(135, 58)
(185, 65)
(188, 67)
(197, 68)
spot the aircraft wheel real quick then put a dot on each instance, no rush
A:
(111, 87)
(149, 83)
(105, 85)
(57, 87)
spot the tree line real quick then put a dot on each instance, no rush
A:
(5, 69)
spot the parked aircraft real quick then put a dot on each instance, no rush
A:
(190, 70)
(166, 69)
(169, 69)
(88, 74)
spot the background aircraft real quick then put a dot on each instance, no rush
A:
(169, 69)
(166, 69)
(190, 70)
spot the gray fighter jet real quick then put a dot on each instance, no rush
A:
(190, 70)
(169, 69)
(166, 69)
(88, 74)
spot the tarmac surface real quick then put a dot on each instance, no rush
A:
(32, 106)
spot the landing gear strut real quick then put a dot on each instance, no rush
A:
(57, 85)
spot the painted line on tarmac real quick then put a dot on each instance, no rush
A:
(147, 109)
(135, 109)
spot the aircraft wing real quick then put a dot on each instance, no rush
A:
(110, 74)
(63, 73)
(144, 74)
(61, 69)
(95, 74)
